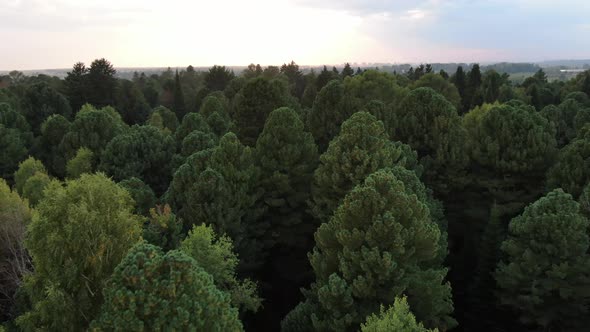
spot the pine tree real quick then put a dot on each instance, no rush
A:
(324, 78)
(361, 148)
(371, 251)
(76, 85)
(287, 156)
(254, 103)
(571, 171)
(545, 275)
(220, 187)
(121, 156)
(347, 71)
(429, 124)
(143, 196)
(179, 105)
(164, 291)
(461, 84)
(330, 109)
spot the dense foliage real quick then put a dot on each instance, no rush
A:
(284, 197)
(156, 291)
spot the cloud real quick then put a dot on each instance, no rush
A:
(203, 32)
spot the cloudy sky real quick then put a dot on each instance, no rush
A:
(38, 34)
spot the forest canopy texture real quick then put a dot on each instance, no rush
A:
(296, 200)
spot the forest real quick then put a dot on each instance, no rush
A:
(273, 199)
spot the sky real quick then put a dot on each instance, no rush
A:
(42, 34)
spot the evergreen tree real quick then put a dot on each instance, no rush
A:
(330, 109)
(512, 148)
(361, 148)
(324, 77)
(216, 115)
(461, 83)
(143, 152)
(163, 229)
(220, 187)
(190, 123)
(287, 156)
(440, 85)
(102, 83)
(15, 140)
(131, 103)
(217, 78)
(545, 275)
(295, 77)
(76, 86)
(143, 196)
(372, 251)
(93, 129)
(482, 310)
(571, 172)
(568, 117)
(39, 102)
(347, 70)
(164, 291)
(254, 103)
(179, 105)
(197, 141)
(163, 119)
(53, 130)
(427, 122)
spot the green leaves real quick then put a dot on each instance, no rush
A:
(78, 236)
(215, 255)
(397, 318)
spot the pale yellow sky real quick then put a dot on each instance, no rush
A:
(39, 34)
